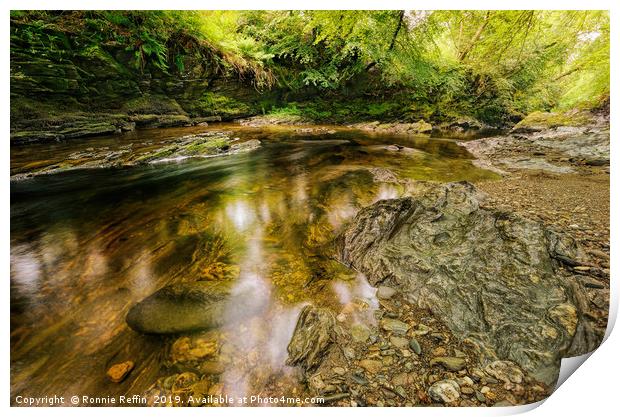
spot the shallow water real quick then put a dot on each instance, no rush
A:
(88, 244)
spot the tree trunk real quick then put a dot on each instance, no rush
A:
(463, 54)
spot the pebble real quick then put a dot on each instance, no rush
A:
(360, 333)
(466, 381)
(395, 326)
(399, 342)
(401, 391)
(118, 372)
(339, 370)
(415, 346)
(439, 351)
(505, 371)
(439, 337)
(358, 379)
(445, 391)
(451, 363)
(421, 329)
(371, 365)
(349, 352)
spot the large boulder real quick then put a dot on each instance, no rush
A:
(490, 276)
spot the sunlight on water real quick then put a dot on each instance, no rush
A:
(86, 245)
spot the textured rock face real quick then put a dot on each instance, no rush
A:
(489, 276)
(313, 335)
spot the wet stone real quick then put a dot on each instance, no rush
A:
(360, 333)
(505, 371)
(371, 365)
(118, 372)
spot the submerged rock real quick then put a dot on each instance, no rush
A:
(201, 145)
(505, 371)
(118, 372)
(186, 307)
(491, 278)
(393, 325)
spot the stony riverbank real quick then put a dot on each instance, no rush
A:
(440, 331)
(559, 175)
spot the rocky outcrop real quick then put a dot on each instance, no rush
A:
(537, 121)
(61, 88)
(558, 150)
(492, 277)
(202, 145)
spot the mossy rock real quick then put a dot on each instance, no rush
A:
(538, 121)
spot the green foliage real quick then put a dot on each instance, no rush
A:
(213, 104)
(493, 65)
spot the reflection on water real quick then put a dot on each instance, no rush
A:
(87, 245)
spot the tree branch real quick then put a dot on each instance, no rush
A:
(463, 54)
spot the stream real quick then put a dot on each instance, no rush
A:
(87, 244)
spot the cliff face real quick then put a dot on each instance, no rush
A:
(61, 89)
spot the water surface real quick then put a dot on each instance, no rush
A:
(88, 244)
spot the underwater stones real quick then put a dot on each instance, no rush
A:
(311, 338)
(399, 342)
(445, 391)
(200, 145)
(477, 281)
(118, 372)
(187, 349)
(186, 307)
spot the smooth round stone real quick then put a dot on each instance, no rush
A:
(189, 307)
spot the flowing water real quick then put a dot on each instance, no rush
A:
(88, 244)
